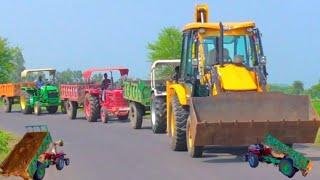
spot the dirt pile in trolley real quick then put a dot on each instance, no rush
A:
(20, 157)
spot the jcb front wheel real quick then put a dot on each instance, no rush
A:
(179, 116)
(194, 151)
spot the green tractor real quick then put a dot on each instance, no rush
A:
(44, 94)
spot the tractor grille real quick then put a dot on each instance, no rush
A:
(53, 94)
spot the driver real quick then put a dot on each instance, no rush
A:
(238, 59)
(54, 146)
(106, 82)
(39, 82)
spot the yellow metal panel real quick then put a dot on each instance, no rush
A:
(236, 78)
(180, 91)
(215, 26)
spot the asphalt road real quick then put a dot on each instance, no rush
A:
(115, 151)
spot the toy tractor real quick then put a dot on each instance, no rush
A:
(275, 152)
(97, 102)
(32, 99)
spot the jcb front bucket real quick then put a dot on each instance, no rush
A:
(239, 118)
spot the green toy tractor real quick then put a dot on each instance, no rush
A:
(44, 94)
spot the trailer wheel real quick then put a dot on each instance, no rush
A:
(194, 151)
(60, 163)
(286, 167)
(91, 108)
(104, 115)
(253, 160)
(179, 116)
(7, 104)
(52, 109)
(37, 108)
(72, 108)
(24, 98)
(63, 107)
(40, 172)
(135, 114)
(159, 114)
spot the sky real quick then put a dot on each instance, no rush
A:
(79, 34)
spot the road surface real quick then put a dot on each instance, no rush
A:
(115, 151)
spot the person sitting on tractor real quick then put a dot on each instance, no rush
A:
(39, 82)
(54, 146)
(105, 84)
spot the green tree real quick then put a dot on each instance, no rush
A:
(297, 88)
(18, 61)
(7, 65)
(167, 46)
(69, 76)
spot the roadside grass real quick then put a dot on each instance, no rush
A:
(316, 105)
(7, 142)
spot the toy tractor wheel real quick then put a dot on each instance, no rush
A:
(194, 151)
(286, 167)
(71, 107)
(67, 161)
(7, 102)
(135, 115)
(104, 115)
(91, 108)
(253, 160)
(179, 116)
(24, 98)
(159, 115)
(60, 163)
(52, 109)
(40, 172)
(37, 108)
(63, 107)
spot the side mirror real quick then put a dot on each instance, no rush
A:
(263, 60)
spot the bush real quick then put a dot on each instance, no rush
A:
(4, 141)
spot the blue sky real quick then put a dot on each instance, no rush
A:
(94, 33)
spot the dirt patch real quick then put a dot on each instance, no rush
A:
(20, 157)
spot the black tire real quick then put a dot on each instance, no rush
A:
(194, 151)
(122, 118)
(37, 108)
(253, 160)
(67, 161)
(25, 108)
(40, 172)
(94, 108)
(104, 115)
(135, 115)
(7, 104)
(60, 163)
(63, 107)
(159, 114)
(286, 167)
(52, 109)
(72, 108)
(180, 113)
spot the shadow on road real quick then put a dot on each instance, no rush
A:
(223, 154)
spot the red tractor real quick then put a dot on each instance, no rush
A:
(97, 101)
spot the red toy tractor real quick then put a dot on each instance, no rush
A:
(105, 103)
(57, 159)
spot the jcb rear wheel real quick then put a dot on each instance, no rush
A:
(91, 108)
(194, 151)
(52, 109)
(7, 102)
(135, 114)
(179, 116)
(159, 115)
(25, 107)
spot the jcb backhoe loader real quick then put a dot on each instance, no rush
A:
(221, 97)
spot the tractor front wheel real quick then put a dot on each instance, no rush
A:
(135, 114)
(60, 163)
(37, 108)
(7, 102)
(159, 115)
(72, 108)
(253, 160)
(91, 108)
(52, 109)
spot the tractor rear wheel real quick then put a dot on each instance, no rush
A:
(194, 151)
(25, 107)
(159, 114)
(253, 160)
(72, 108)
(104, 115)
(179, 116)
(40, 172)
(91, 108)
(37, 108)
(7, 102)
(60, 163)
(52, 109)
(135, 115)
